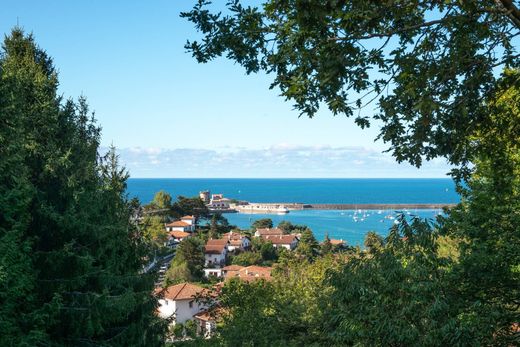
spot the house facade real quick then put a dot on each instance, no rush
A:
(286, 241)
(237, 241)
(268, 231)
(215, 253)
(180, 302)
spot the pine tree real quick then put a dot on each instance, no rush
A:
(69, 273)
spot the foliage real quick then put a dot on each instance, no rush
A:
(262, 223)
(427, 64)
(285, 226)
(218, 225)
(191, 328)
(268, 251)
(308, 247)
(284, 311)
(288, 228)
(247, 258)
(373, 241)
(162, 200)
(326, 246)
(190, 206)
(153, 229)
(188, 263)
(178, 330)
(69, 255)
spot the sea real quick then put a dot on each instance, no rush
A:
(348, 225)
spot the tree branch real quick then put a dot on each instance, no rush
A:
(390, 33)
(510, 10)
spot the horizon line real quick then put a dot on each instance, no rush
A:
(291, 178)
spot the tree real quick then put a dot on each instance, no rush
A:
(162, 200)
(262, 223)
(286, 226)
(373, 242)
(427, 64)
(268, 251)
(326, 246)
(153, 228)
(218, 225)
(247, 258)
(308, 246)
(188, 262)
(70, 257)
(399, 295)
(190, 206)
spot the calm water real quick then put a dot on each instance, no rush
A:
(339, 224)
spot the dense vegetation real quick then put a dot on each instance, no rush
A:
(70, 256)
(445, 78)
(431, 66)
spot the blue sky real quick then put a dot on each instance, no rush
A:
(172, 117)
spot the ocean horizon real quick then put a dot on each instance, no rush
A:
(338, 224)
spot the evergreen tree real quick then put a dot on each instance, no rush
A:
(188, 262)
(308, 246)
(162, 200)
(326, 246)
(71, 273)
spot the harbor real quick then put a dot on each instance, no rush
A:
(219, 203)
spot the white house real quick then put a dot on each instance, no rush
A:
(237, 241)
(207, 321)
(180, 225)
(180, 300)
(175, 237)
(268, 231)
(189, 220)
(219, 202)
(217, 272)
(215, 252)
(287, 241)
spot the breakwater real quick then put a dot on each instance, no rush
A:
(395, 207)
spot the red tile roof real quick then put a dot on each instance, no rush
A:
(251, 273)
(215, 246)
(280, 239)
(178, 234)
(188, 217)
(269, 231)
(337, 242)
(183, 291)
(233, 236)
(232, 268)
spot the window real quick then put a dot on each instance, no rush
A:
(191, 304)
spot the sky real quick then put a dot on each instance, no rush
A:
(172, 117)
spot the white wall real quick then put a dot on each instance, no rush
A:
(181, 308)
(213, 259)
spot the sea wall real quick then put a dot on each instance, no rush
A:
(396, 207)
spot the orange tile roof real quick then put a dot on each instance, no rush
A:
(183, 291)
(254, 272)
(250, 273)
(210, 315)
(280, 239)
(179, 234)
(235, 243)
(178, 223)
(188, 217)
(337, 242)
(232, 268)
(215, 246)
(233, 236)
(269, 231)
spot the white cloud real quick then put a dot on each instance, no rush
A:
(281, 160)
